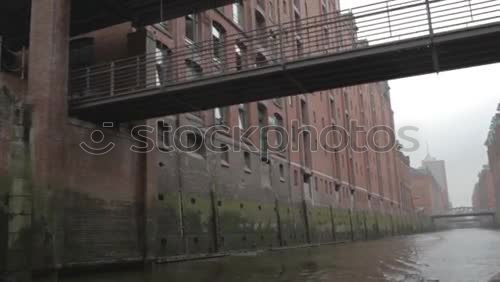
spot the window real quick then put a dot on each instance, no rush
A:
(248, 161)
(280, 132)
(307, 148)
(263, 118)
(191, 27)
(243, 116)
(300, 48)
(163, 130)
(218, 35)
(304, 115)
(307, 184)
(294, 133)
(260, 60)
(238, 12)
(260, 25)
(193, 70)
(82, 52)
(224, 154)
(162, 56)
(326, 36)
(278, 102)
(271, 11)
(296, 4)
(295, 177)
(195, 143)
(332, 108)
(239, 51)
(282, 172)
(278, 120)
(220, 115)
(324, 7)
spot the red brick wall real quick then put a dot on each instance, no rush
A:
(426, 193)
(11, 90)
(105, 201)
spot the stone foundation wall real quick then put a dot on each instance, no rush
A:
(126, 206)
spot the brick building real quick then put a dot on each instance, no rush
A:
(483, 196)
(438, 169)
(493, 149)
(406, 182)
(125, 206)
(426, 192)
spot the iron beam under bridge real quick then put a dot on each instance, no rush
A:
(90, 15)
(382, 41)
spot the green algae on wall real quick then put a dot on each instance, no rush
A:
(5, 183)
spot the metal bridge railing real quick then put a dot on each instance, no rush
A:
(464, 211)
(323, 35)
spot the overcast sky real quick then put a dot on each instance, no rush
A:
(453, 111)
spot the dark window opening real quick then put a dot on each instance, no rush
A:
(82, 52)
(195, 143)
(248, 160)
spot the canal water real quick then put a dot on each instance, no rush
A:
(455, 255)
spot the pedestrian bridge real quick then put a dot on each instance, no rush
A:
(464, 212)
(381, 41)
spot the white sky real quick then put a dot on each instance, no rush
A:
(453, 111)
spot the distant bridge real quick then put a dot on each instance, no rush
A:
(464, 212)
(380, 41)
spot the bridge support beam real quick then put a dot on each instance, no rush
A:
(34, 251)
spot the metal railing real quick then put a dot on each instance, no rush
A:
(464, 211)
(323, 35)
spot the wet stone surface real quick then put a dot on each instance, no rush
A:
(456, 255)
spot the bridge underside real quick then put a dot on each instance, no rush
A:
(447, 51)
(90, 15)
(472, 214)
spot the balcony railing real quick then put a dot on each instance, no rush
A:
(323, 35)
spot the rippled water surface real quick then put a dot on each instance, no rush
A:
(456, 255)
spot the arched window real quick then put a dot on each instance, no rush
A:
(191, 22)
(218, 37)
(221, 115)
(243, 116)
(263, 122)
(238, 12)
(260, 60)
(162, 58)
(281, 138)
